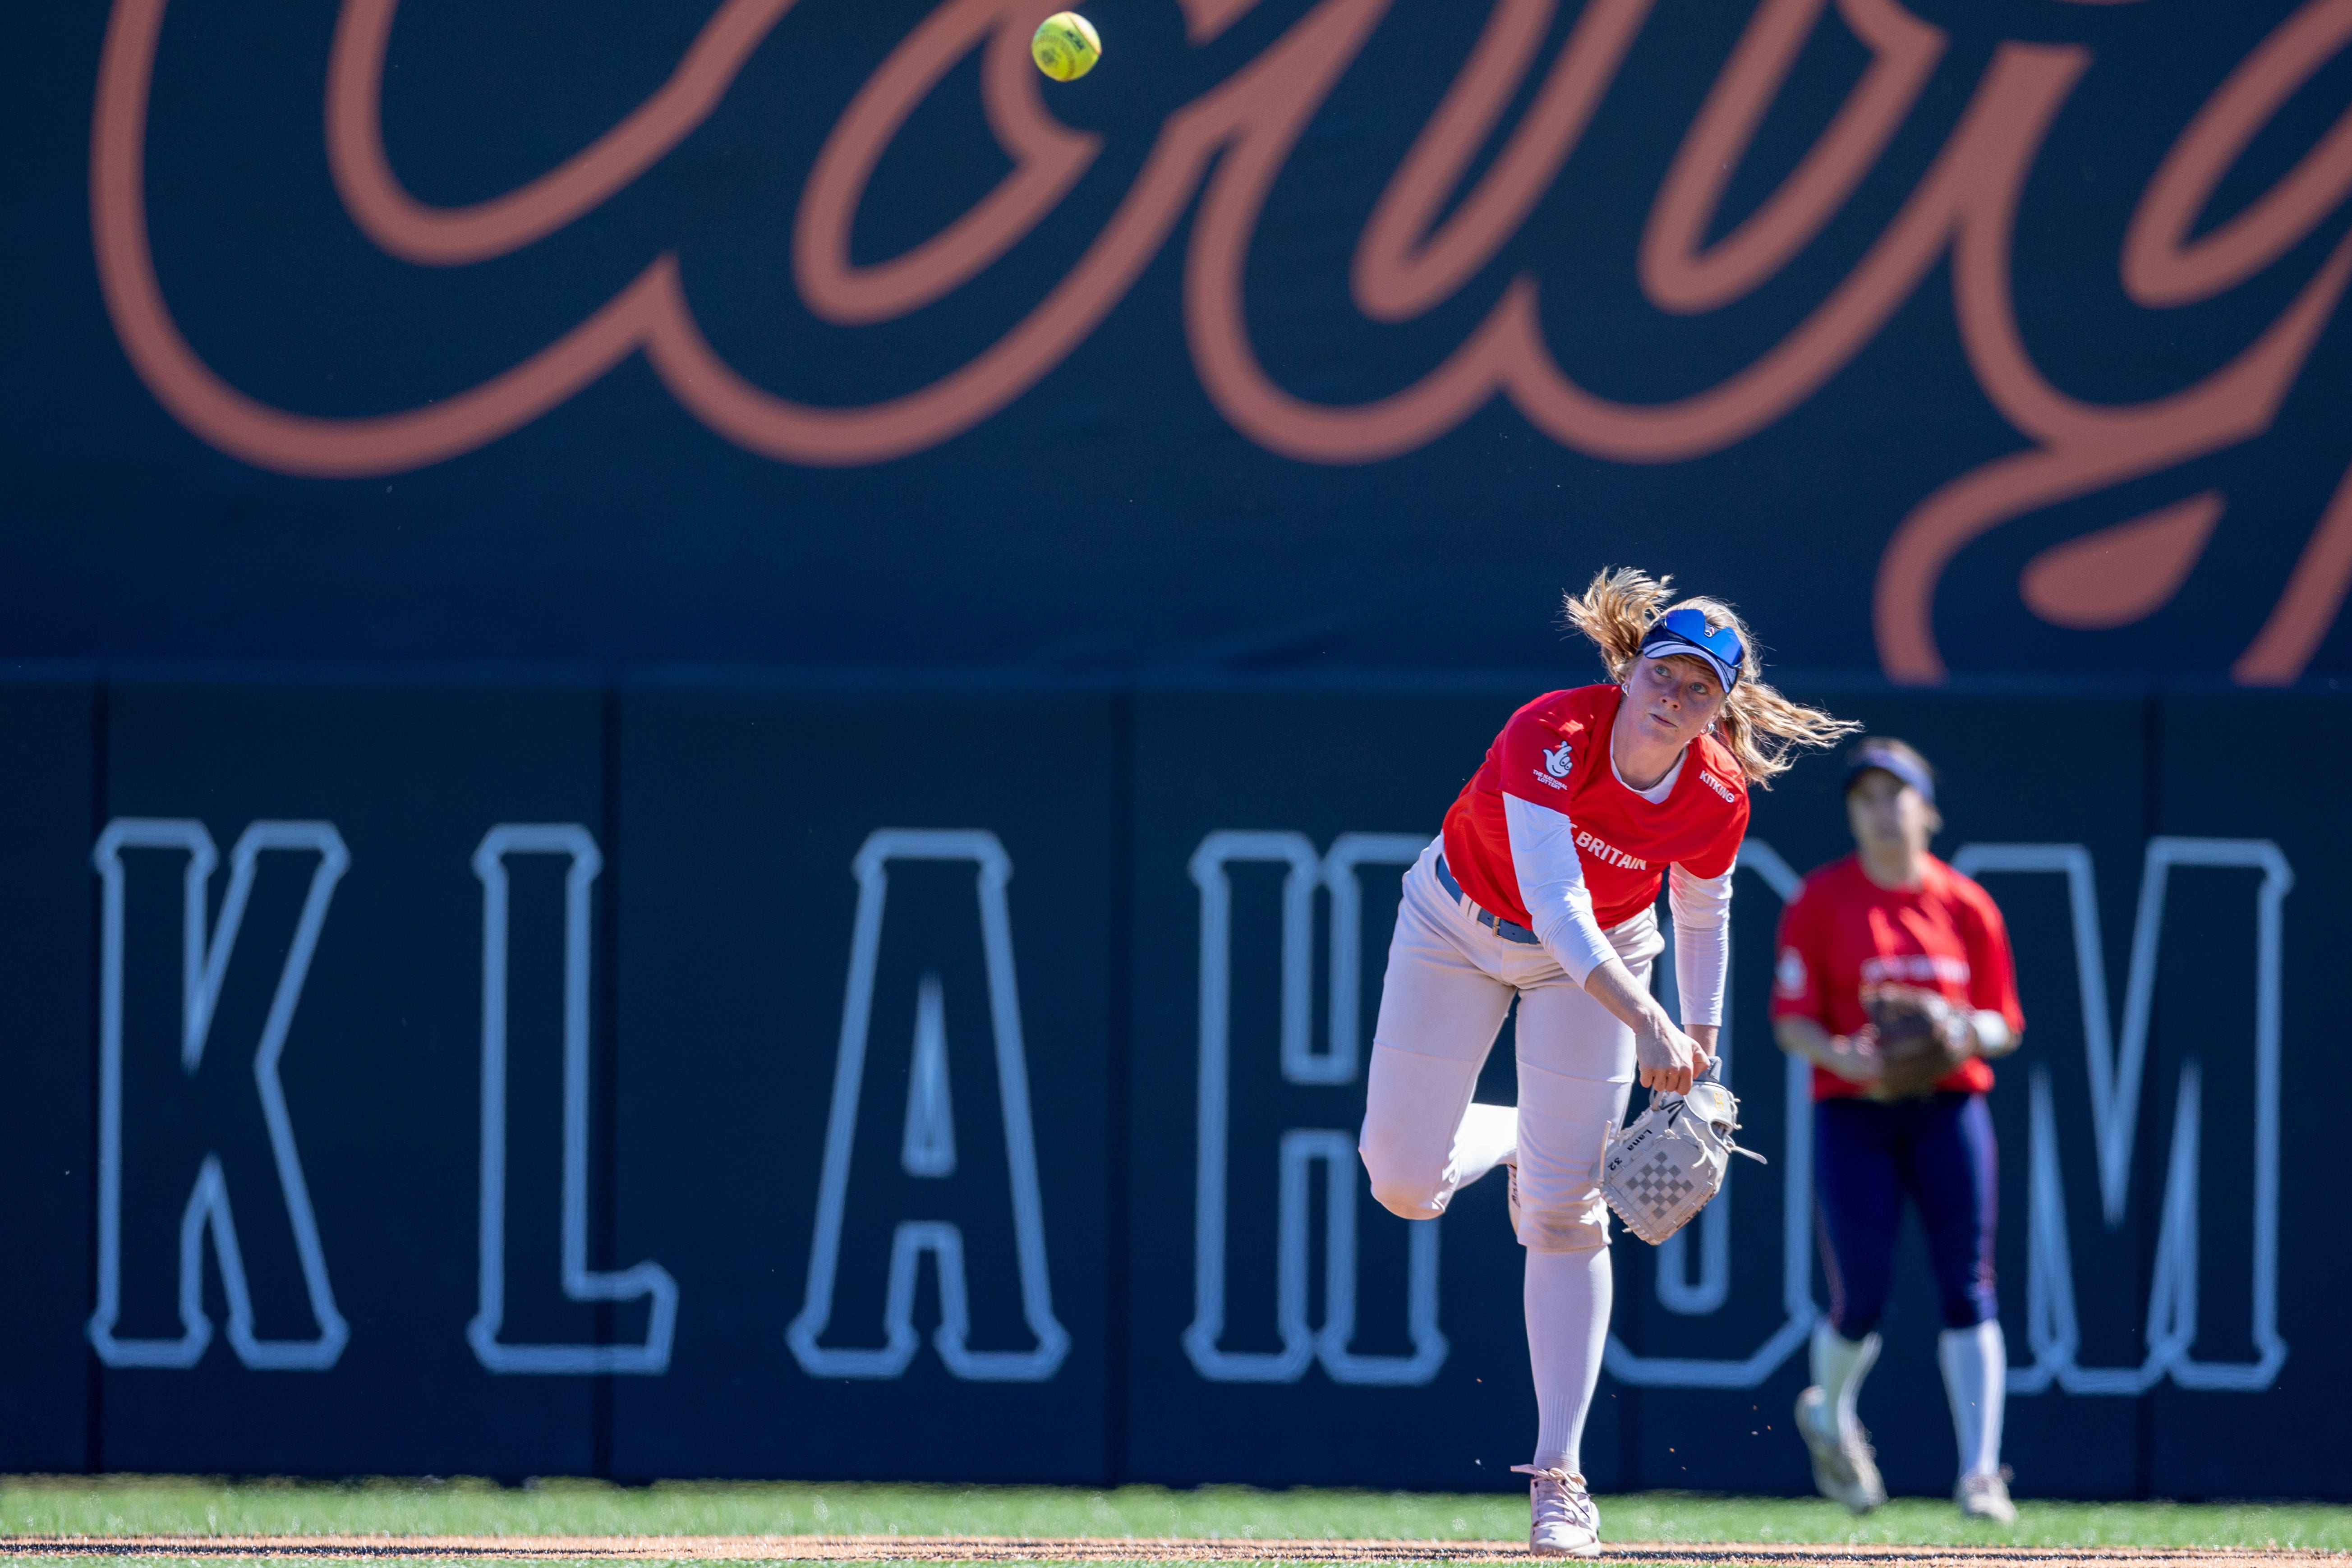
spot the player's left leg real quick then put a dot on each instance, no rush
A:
(1858, 1202)
(1576, 1072)
(1441, 1005)
(1953, 1176)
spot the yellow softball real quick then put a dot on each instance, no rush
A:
(1066, 47)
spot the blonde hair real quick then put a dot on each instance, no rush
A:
(1757, 724)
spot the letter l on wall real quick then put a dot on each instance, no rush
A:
(580, 1283)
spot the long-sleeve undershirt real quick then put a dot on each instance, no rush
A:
(1551, 885)
(1702, 910)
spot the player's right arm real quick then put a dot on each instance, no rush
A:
(1798, 1007)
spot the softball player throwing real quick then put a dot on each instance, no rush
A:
(1894, 979)
(1543, 889)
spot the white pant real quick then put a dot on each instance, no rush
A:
(1450, 984)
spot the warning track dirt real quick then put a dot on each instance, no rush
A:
(947, 1548)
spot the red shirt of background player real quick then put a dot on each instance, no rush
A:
(1554, 753)
(1843, 931)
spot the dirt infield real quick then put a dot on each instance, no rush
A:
(904, 1549)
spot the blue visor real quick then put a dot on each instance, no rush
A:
(1870, 754)
(1686, 631)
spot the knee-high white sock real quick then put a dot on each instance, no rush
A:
(1568, 1300)
(1488, 1137)
(1839, 1366)
(1975, 1374)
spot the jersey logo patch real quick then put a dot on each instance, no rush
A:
(1790, 973)
(1558, 763)
(1718, 785)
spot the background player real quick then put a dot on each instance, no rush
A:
(1544, 887)
(1891, 927)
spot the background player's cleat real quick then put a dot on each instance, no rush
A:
(1846, 1470)
(1985, 1496)
(1561, 1520)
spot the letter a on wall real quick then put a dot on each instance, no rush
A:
(929, 1148)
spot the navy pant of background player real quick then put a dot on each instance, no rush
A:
(1867, 1156)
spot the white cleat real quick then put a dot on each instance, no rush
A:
(1562, 1522)
(1985, 1496)
(1846, 1470)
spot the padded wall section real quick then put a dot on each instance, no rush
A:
(866, 956)
(2261, 775)
(362, 1205)
(1236, 794)
(47, 1082)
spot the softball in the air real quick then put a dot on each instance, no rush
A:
(1066, 47)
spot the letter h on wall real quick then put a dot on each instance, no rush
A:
(1301, 1147)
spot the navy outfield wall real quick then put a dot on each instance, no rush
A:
(858, 1050)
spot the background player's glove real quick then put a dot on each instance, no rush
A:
(1658, 1171)
(1921, 1037)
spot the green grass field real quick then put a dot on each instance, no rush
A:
(115, 1506)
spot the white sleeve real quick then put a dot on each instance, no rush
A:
(1701, 912)
(1551, 885)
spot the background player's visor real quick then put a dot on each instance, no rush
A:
(1686, 631)
(1887, 760)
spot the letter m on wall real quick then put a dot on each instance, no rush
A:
(207, 954)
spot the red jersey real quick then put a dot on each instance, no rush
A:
(1843, 930)
(1554, 754)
